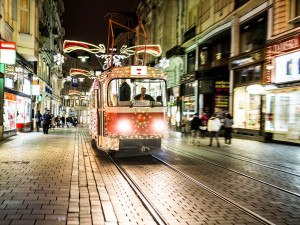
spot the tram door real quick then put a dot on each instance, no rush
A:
(99, 115)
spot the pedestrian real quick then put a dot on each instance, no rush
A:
(203, 127)
(52, 121)
(63, 121)
(75, 121)
(46, 121)
(213, 126)
(184, 126)
(195, 130)
(228, 128)
(38, 119)
(57, 120)
(70, 121)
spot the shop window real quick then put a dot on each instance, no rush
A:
(253, 34)
(222, 48)
(191, 62)
(204, 57)
(248, 75)
(24, 14)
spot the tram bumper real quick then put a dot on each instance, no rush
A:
(134, 147)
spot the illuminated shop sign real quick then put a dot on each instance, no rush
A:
(287, 67)
(222, 94)
(276, 49)
(36, 89)
(8, 52)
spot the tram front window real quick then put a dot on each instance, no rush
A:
(137, 92)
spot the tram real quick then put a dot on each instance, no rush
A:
(131, 122)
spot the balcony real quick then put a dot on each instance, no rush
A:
(189, 34)
(176, 50)
(239, 3)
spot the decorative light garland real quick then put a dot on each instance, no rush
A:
(116, 60)
(154, 50)
(70, 46)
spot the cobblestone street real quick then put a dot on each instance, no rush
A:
(60, 179)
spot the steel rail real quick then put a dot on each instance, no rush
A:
(146, 202)
(231, 202)
(249, 160)
(237, 172)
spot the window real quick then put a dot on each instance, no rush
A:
(248, 75)
(191, 62)
(297, 8)
(36, 21)
(8, 11)
(128, 92)
(253, 34)
(24, 16)
(204, 55)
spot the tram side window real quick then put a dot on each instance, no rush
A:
(123, 92)
(93, 100)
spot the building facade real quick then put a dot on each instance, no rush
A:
(22, 83)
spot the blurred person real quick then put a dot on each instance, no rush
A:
(57, 120)
(46, 121)
(195, 130)
(143, 95)
(203, 126)
(75, 121)
(184, 126)
(63, 121)
(213, 127)
(228, 122)
(38, 119)
(52, 122)
(125, 91)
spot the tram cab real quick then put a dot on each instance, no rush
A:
(129, 120)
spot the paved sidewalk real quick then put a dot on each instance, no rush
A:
(51, 179)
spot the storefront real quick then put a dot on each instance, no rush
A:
(189, 93)
(17, 100)
(174, 107)
(248, 70)
(282, 104)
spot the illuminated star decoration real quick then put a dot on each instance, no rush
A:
(58, 59)
(74, 72)
(70, 46)
(116, 60)
(164, 63)
(154, 50)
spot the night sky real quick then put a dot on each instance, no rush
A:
(84, 19)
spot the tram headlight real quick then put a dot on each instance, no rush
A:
(159, 126)
(124, 126)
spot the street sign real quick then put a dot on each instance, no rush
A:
(74, 82)
(8, 52)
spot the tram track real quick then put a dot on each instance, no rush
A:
(250, 160)
(231, 202)
(156, 215)
(155, 212)
(237, 172)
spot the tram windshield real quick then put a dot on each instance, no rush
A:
(137, 92)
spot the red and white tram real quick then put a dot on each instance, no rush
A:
(136, 125)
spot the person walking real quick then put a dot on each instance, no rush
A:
(203, 127)
(57, 120)
(228, 122)
(75, 121)
(63, 121)
(38, 119)
(52, 121)
(68, 121)
(213, 127)
(46, 121)
(195, 130)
